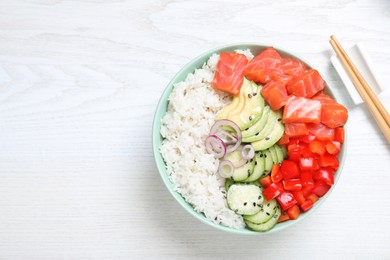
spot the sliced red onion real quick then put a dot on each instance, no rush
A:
(247, 152)
(225, 122)
(227, 137)
(226, 169)
(215, 146)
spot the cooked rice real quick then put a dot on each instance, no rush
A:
(191, 112)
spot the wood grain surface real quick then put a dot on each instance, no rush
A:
(79, 84)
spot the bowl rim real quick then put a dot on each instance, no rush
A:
(157, 139)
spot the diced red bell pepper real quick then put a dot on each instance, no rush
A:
(320, 188)
(312, 197)
(298, 195)
(307, 189)
(286, 200)
(272, 191)
(339, 134)
(293, 212)
(317, 147)
(283, 217)
(292, 184)
(308, 164)
(305, 206)
(276, 175)
(307, 138)
(333, 147)
(283, 140)
(289, 169)
(329, 160)
(266, 181)
(307, 178)
(325, 175)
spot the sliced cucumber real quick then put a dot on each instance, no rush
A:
(268, 163)
(244, 172)
(270, 140)
(245, 199)
(273, 154)
(266, 213)
(263, 227)
(258, 169)
(279, 153)
(228, 183)
(259, 125)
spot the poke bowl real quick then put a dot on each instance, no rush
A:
(291, 145)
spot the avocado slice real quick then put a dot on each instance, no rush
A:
(259, 125)
(246, 108)
(273, 118)
(271, 139)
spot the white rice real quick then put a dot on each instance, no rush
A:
(193, 105)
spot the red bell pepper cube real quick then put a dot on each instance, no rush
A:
(312, 197)
(305, 206)
(308, 164)
(333, 147)
(339, 134)
(289, 169)
(317, 147)
(307, 178)
(292, 184)
(266, 181)
(276, 175)
(329, 160)
(272, 191)
(324, 174)
(283, 217)
(286, 200)
(293, 212)
(320, 188)
(298, 195)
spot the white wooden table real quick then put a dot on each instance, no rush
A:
(79, 83)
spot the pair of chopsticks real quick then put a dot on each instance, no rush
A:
(375, 106)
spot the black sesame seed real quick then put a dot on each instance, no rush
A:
(245, 203)
(251, 160)
(267, 138)
(215, 218)
(249, 96)
(265, 156)
(267, 213)
(257, 133)
(259, 205)
(254, 94)
(259, 197)
(255, 162)
(246, 129)
(279, 119)
(268, 205)
(250, 118)
(261, 155)
(262, 210)
(254, 204)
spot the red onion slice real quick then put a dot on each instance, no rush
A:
(226, 169)
(215, 146)
(247, 152)
(225, 122)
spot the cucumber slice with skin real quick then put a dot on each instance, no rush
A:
(259, 125)
(279, 153)
(273, 154)
(271, 139)
(245, 199)
(243, 172)
(263, 227)
(268, 210)
(228, 183)
(268, 163)
(271, 121)
(258, 169)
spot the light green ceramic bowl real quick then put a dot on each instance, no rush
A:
(157, 139)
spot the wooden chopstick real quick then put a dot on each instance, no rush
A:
(373, 103)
